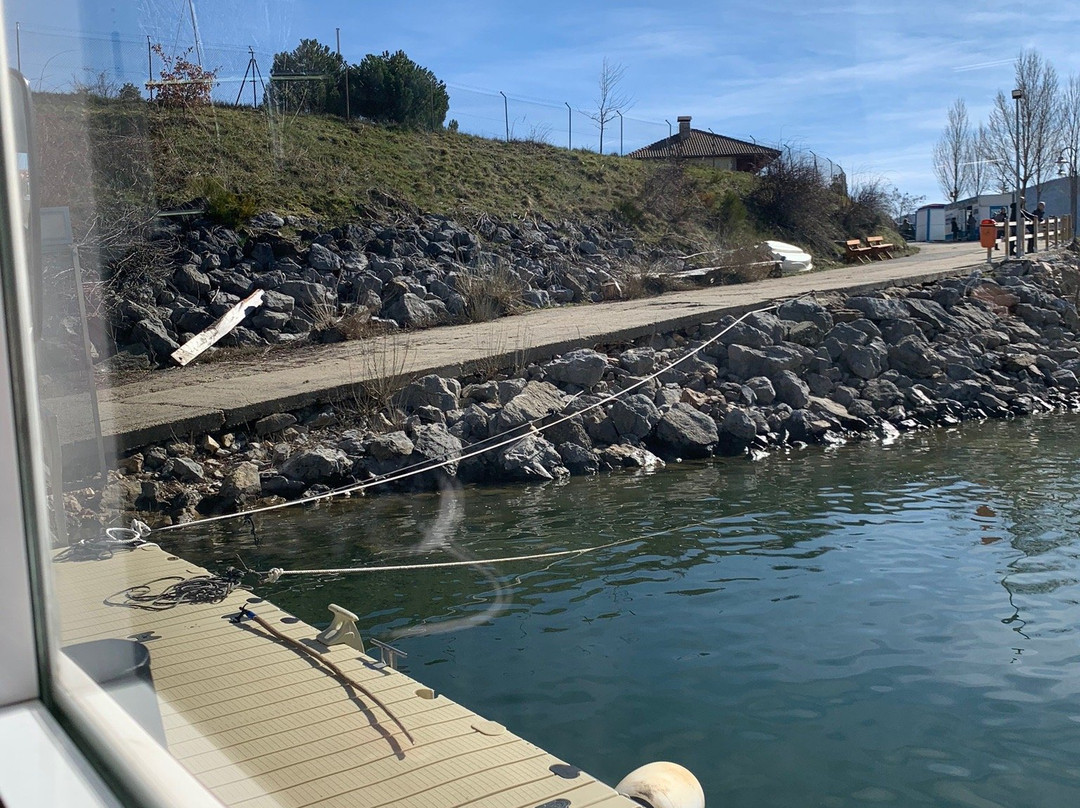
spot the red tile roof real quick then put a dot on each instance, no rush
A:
(701, 144)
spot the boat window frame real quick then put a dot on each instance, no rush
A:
(137, 770)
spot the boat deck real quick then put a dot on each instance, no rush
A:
(262, 724)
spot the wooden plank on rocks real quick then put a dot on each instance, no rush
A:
(208, 336)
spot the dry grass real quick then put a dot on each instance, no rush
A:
(647, 280)
(490, 292)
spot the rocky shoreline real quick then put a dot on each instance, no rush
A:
(331, 284)
(807, 372)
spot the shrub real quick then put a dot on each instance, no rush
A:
(183, 83)
(129, 94)
(392, 88)
(629, 212)
(227, 207)
(321, 89)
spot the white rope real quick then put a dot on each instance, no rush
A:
(274, 574)
(456, 458)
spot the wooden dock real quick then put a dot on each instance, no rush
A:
(260, 723)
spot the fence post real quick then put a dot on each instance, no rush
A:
(506, 115)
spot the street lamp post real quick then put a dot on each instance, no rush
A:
(1070, 164)
(1017, 94)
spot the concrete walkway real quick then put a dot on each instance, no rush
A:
(215, 395)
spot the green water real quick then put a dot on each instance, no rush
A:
(863, 625)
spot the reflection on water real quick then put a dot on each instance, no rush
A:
(861, 625)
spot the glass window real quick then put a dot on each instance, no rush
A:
(470, 403)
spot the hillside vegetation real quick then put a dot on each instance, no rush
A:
(144, 157)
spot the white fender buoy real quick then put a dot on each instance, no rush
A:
(663, 785)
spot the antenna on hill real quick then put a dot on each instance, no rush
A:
(254, 72)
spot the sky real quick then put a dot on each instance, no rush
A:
(863, 84)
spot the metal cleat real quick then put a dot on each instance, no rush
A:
(342, 629)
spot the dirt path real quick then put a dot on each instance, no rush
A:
(209, 397)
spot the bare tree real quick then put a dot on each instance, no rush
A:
(951, 166)
(979, 160)
(1036, 134)
(611, 100)
(1068, 157)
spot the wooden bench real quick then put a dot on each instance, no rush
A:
(855, 251)
(879, 247)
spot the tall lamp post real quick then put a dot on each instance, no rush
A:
(1070, 165)
(1017, 94)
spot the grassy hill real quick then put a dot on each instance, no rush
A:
(142, 158)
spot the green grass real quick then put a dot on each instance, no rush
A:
(337, 171)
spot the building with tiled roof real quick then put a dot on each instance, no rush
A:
(705, 147)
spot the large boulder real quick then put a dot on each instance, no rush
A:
(578, 459)
(535, 401)
(323, 259)
(878, 308)
(183, 469)
(791, 390)
(634, 416)
(319, 465)
(806, 309)
(190, 280)
(914, 357)
(638, 361)
(684, 432)
(153, 335)
(583, 367)
(739, 425)
(308, 294)
(866, 361)
(432, 391)
(407, 309)
(433, 442)
(241, 483)
(531, 458)
(389, 446)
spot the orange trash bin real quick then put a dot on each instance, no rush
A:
(988, 233)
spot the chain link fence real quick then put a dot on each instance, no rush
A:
(64, 62)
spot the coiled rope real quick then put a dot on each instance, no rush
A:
(195, 590)
(104, 546)
(457, 457)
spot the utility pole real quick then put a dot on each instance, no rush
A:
(149, 67)
(1021, 231)
(195, 31)
(617, 112)
(569, 127)
(506, 115)
(18, 49)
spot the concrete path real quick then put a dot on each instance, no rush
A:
(222, 394)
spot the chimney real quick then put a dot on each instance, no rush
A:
(684, 127)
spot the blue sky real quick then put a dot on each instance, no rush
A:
(862, 83)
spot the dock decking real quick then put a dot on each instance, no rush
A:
(261, 724)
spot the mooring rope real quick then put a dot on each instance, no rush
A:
(458, 457)
(310, 652)
(274, 574)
